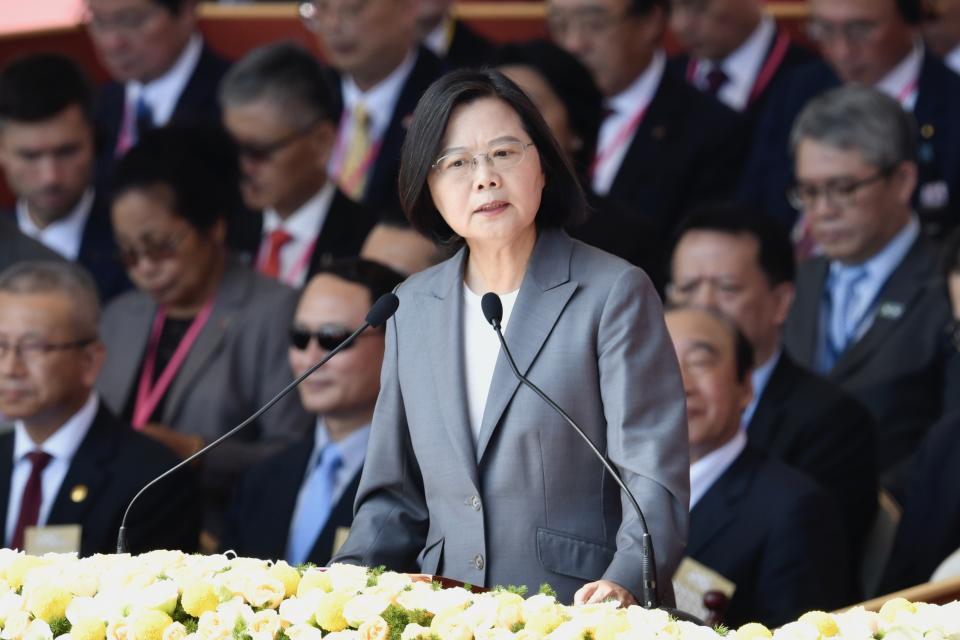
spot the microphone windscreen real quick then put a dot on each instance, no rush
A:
(385, 306)
(492, 308)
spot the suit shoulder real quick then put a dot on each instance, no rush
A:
(124, 304)
(783, 485)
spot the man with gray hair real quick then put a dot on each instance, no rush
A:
(69, 469)
(868, 313)
(281, 112)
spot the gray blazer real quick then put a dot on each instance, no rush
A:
(238, 362)
(529, 503)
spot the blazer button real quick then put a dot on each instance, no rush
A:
(478, 561)
(475, 503)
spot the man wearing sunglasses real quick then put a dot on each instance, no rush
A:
(306, 492)
(280, 112)
(868, 314)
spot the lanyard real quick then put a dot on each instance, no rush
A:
(148, 393)
(349, 182)
(779, 51)
(296, 270)
(907, 92)
(623, 136)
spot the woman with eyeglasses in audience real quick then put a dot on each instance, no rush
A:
(467, 474)
(201, 343)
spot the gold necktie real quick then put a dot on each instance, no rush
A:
(356, 161)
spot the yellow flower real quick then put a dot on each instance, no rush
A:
(88, 629)
(175, 631)
(149, 624)
(287, 575)
(329, 615)
(19, 567)
(610, 627)
(314, 579)
(752, 631)
(892, 608)
(198, 598)
(375, 628)
(48, 602)
(823, 621)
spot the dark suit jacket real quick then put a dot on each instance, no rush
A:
(776, 535)
(819, 429)
(677, 160)
(769, 169)
(114, 462)
(381, 193)
(903, 369)
(467, 48)
(345, 228)
(795, 56)
(258, 522)
(16, 247)
(197, 105)
(930, 528)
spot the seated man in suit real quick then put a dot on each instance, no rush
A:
(380, 74)
(873, 43)
(161, 71)
(306, 492)
(941, 32)
(868, 313)
(733, 50)
(759, 523)
(664, 147)
(47, 153)
(69, 461)
(450, 38)
(280, 111)
(741, 263)
(399, 246)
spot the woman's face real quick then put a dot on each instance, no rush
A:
(547, 102)
(166, 257)
(493, 198)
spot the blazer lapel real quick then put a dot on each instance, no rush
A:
(718, 506)
(443, 321)
(131, 337)
(766, 416)
(543, 295)
(808, 313)
(86, 469)
(6, 468)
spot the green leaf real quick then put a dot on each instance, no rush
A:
(60, 626)
(373, 575)
(511, 588)
(547, 590)
(517, 627)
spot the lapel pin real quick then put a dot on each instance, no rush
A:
(78, 493)
(927, 131)
(890, 310)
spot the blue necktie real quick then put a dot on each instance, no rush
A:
(144, 117)
(842, 320)
(314, 506)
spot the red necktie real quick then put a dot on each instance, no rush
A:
(32, 496)
(275, 242)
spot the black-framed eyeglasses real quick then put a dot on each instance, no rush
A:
(262, 152)
(31, 350)
(154, 250)
(327, 336)
(838, 193)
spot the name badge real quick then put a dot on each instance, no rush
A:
(693, 580)
(934, 195)
(61, 538)
(890, 310)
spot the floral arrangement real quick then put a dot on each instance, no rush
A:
(168, 595)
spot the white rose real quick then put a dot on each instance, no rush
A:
(392, 583)
(161, 595)
(264, 592)
(414, 632)
(212, 626)
(347, 577)
(84, 608)
(16, 625)
(346, 634)
(295, 611)
(304, 632)
(38, 630)
(364, 607)
(9, 602)
(493, 634)
(119, 630)
(797, 631)
(175, 631)
(264, 625)
(375, 628)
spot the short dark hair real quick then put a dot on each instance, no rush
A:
(775, 251)
(644, 7)
(173, 6)
(742, 349)
(38, 87)
(284, 73)
(377, 278)
(572, 83)
(197, 165)
(563, 202)
(912, 11)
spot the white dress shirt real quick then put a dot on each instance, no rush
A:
(708, 469)
(902, 81)
(952, 59)
(742, 66)
(61, 446)
(304, 225)
(481, 346)
(438, 40)
(162, 94)
(380, 101)
(65, 236)
(758, 382)
(611, 149)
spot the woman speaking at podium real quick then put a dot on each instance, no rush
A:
(468, 474)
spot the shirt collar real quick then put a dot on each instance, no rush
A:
(901, 81)
(63, 444)
(381, 99)
(305, 223)
(162, 93)
(352, 448)
(64, 235)
(642, 89)
(758, 382)
(743, 65)
(880, 266)
(439, 38)
(708, 469)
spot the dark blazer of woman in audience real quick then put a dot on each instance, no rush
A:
(468, 474)
(200, 343)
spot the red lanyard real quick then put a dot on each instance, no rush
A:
(779, 51)
(623, 136)
(149, 394)
(296, 270)
(908, 91)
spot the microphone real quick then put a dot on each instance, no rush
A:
(385, 306)
(493, 312)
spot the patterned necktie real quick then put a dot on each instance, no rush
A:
(275, 242)
(714, 81)
(137, 119)
(843, 319)
(314, 505)
(32, 497)
(354, 170)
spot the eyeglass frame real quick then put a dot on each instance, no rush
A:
(325, 337)
(28, 352)
(475, 164)
(846, 199)
(263, 152)
(164, 250)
